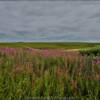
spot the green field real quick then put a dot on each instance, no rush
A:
(52, 45)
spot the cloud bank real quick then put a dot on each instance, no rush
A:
(50, 21)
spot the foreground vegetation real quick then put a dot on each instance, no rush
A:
(30, 74)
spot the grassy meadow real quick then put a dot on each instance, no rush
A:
(50, 45)
(49, 71)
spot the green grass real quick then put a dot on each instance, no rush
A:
(53, 45)
(48, 78)
(24, 76)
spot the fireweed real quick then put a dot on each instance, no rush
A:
(27, 73)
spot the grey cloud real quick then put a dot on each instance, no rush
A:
(50, 21)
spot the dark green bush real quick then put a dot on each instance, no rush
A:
(93, 51)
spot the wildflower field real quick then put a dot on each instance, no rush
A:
(49, 74)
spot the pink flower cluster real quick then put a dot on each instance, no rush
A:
(9, 51)
(59, 53)
(43, 52)
(52, 53)
(97, 61)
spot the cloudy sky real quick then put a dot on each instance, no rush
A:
(50, 21)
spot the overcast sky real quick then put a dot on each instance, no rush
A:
(50, 21)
